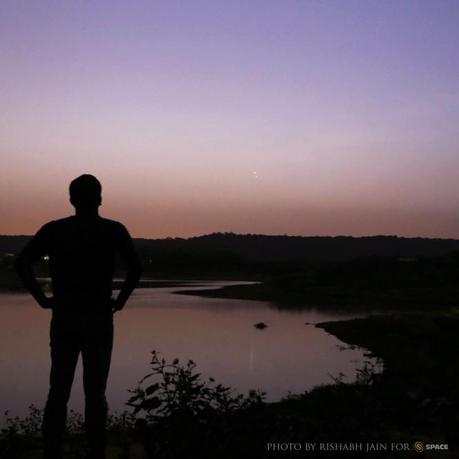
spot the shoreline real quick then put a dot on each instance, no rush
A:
(346, 298)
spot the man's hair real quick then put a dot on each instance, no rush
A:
(85, 191)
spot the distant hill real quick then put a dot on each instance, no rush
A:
(264, 248)
(12, 244)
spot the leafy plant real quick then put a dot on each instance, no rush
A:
(175, 402)
(171, 388)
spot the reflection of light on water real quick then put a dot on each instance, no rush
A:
(251, 357)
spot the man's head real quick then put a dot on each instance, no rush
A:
(85, 193)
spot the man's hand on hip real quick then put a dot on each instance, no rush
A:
(47, 302)
(116, 304)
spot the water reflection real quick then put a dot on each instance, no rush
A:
(218, 334)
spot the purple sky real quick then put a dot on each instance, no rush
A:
(296, 117)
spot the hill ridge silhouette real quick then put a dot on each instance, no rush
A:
(265, 247)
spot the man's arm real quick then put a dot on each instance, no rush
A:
(132, 260)
(32, 252)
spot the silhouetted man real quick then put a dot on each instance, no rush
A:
(81, 251)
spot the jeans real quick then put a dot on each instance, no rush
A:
(92, 335)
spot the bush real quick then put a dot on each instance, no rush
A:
(180, 413)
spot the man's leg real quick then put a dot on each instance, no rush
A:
(64, 357)
(96, 353)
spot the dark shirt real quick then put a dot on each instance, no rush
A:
(81, 258)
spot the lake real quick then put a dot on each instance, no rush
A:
(218, 334)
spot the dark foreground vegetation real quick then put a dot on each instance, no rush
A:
(179, 414)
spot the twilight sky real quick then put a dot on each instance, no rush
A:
(277, 117)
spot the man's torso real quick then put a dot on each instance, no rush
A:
(82, 259)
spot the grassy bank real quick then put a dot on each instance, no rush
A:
(421, 371)
(365, 284)
(342, 297)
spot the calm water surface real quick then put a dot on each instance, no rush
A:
(218, 334)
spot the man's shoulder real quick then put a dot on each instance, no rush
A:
(61, 221)
(113, 227)
(56, 224)
(112, 224)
